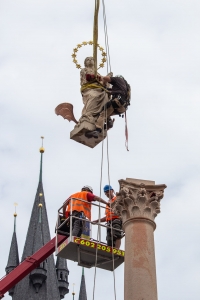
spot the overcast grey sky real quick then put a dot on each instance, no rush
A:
(156, 46)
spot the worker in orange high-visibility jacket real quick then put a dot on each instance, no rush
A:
(80, 209)
(113, 236)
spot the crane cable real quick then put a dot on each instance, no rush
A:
(113, 262)
(95, 41)
(95, 36)
(106, 38)
(99, 228)
(109, 71)
(99, 217)
(108, 163)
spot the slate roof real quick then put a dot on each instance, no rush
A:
(82, 293)
(38, 234)
(61, 264)
(13, 258)
(62, 275)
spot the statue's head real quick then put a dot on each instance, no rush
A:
(89, 62)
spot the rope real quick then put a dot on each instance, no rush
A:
(108, 163)
(106, 38)
(111, 219)
(95, 35)
(95, 38)
(98, 232)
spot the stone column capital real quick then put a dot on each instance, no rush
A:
(138, 199)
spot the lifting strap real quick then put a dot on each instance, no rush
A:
(93, 86)
(126, 132)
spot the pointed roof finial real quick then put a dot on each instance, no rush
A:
(41, 151)
(82, 292)
(15, 215)
(42, 148)
(13, 258)
(73, 293)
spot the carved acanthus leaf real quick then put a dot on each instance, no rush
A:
(138, 200)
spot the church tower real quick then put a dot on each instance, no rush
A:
(47, 281)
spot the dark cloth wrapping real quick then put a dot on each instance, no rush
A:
(118, 86)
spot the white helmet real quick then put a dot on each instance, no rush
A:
(88, 188)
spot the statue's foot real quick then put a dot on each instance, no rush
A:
(94, 134)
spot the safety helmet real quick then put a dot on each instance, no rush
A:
(88, 188)
(107, 188)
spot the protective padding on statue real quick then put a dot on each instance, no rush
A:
(113, 107)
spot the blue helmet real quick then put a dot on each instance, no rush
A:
(107, 188)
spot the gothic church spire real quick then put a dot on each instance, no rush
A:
(82, 293)
(13, 258)
(42, 283)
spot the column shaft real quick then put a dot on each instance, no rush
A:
(140, 269)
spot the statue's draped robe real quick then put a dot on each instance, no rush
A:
(93, 99)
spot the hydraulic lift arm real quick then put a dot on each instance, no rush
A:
(29, 264)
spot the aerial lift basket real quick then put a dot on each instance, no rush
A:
(85, 250)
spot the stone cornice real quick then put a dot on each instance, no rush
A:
(136, 200)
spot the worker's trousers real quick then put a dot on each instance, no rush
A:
(77, 226)
(112, 234)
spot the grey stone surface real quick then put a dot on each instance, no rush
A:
(62, 275)
(13, 258)
(79, 131)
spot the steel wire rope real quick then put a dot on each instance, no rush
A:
(102, 158)
(105, 118)
(108, 162)
(106, 37)
(99, 211)
(111, 223)
(99, 216)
